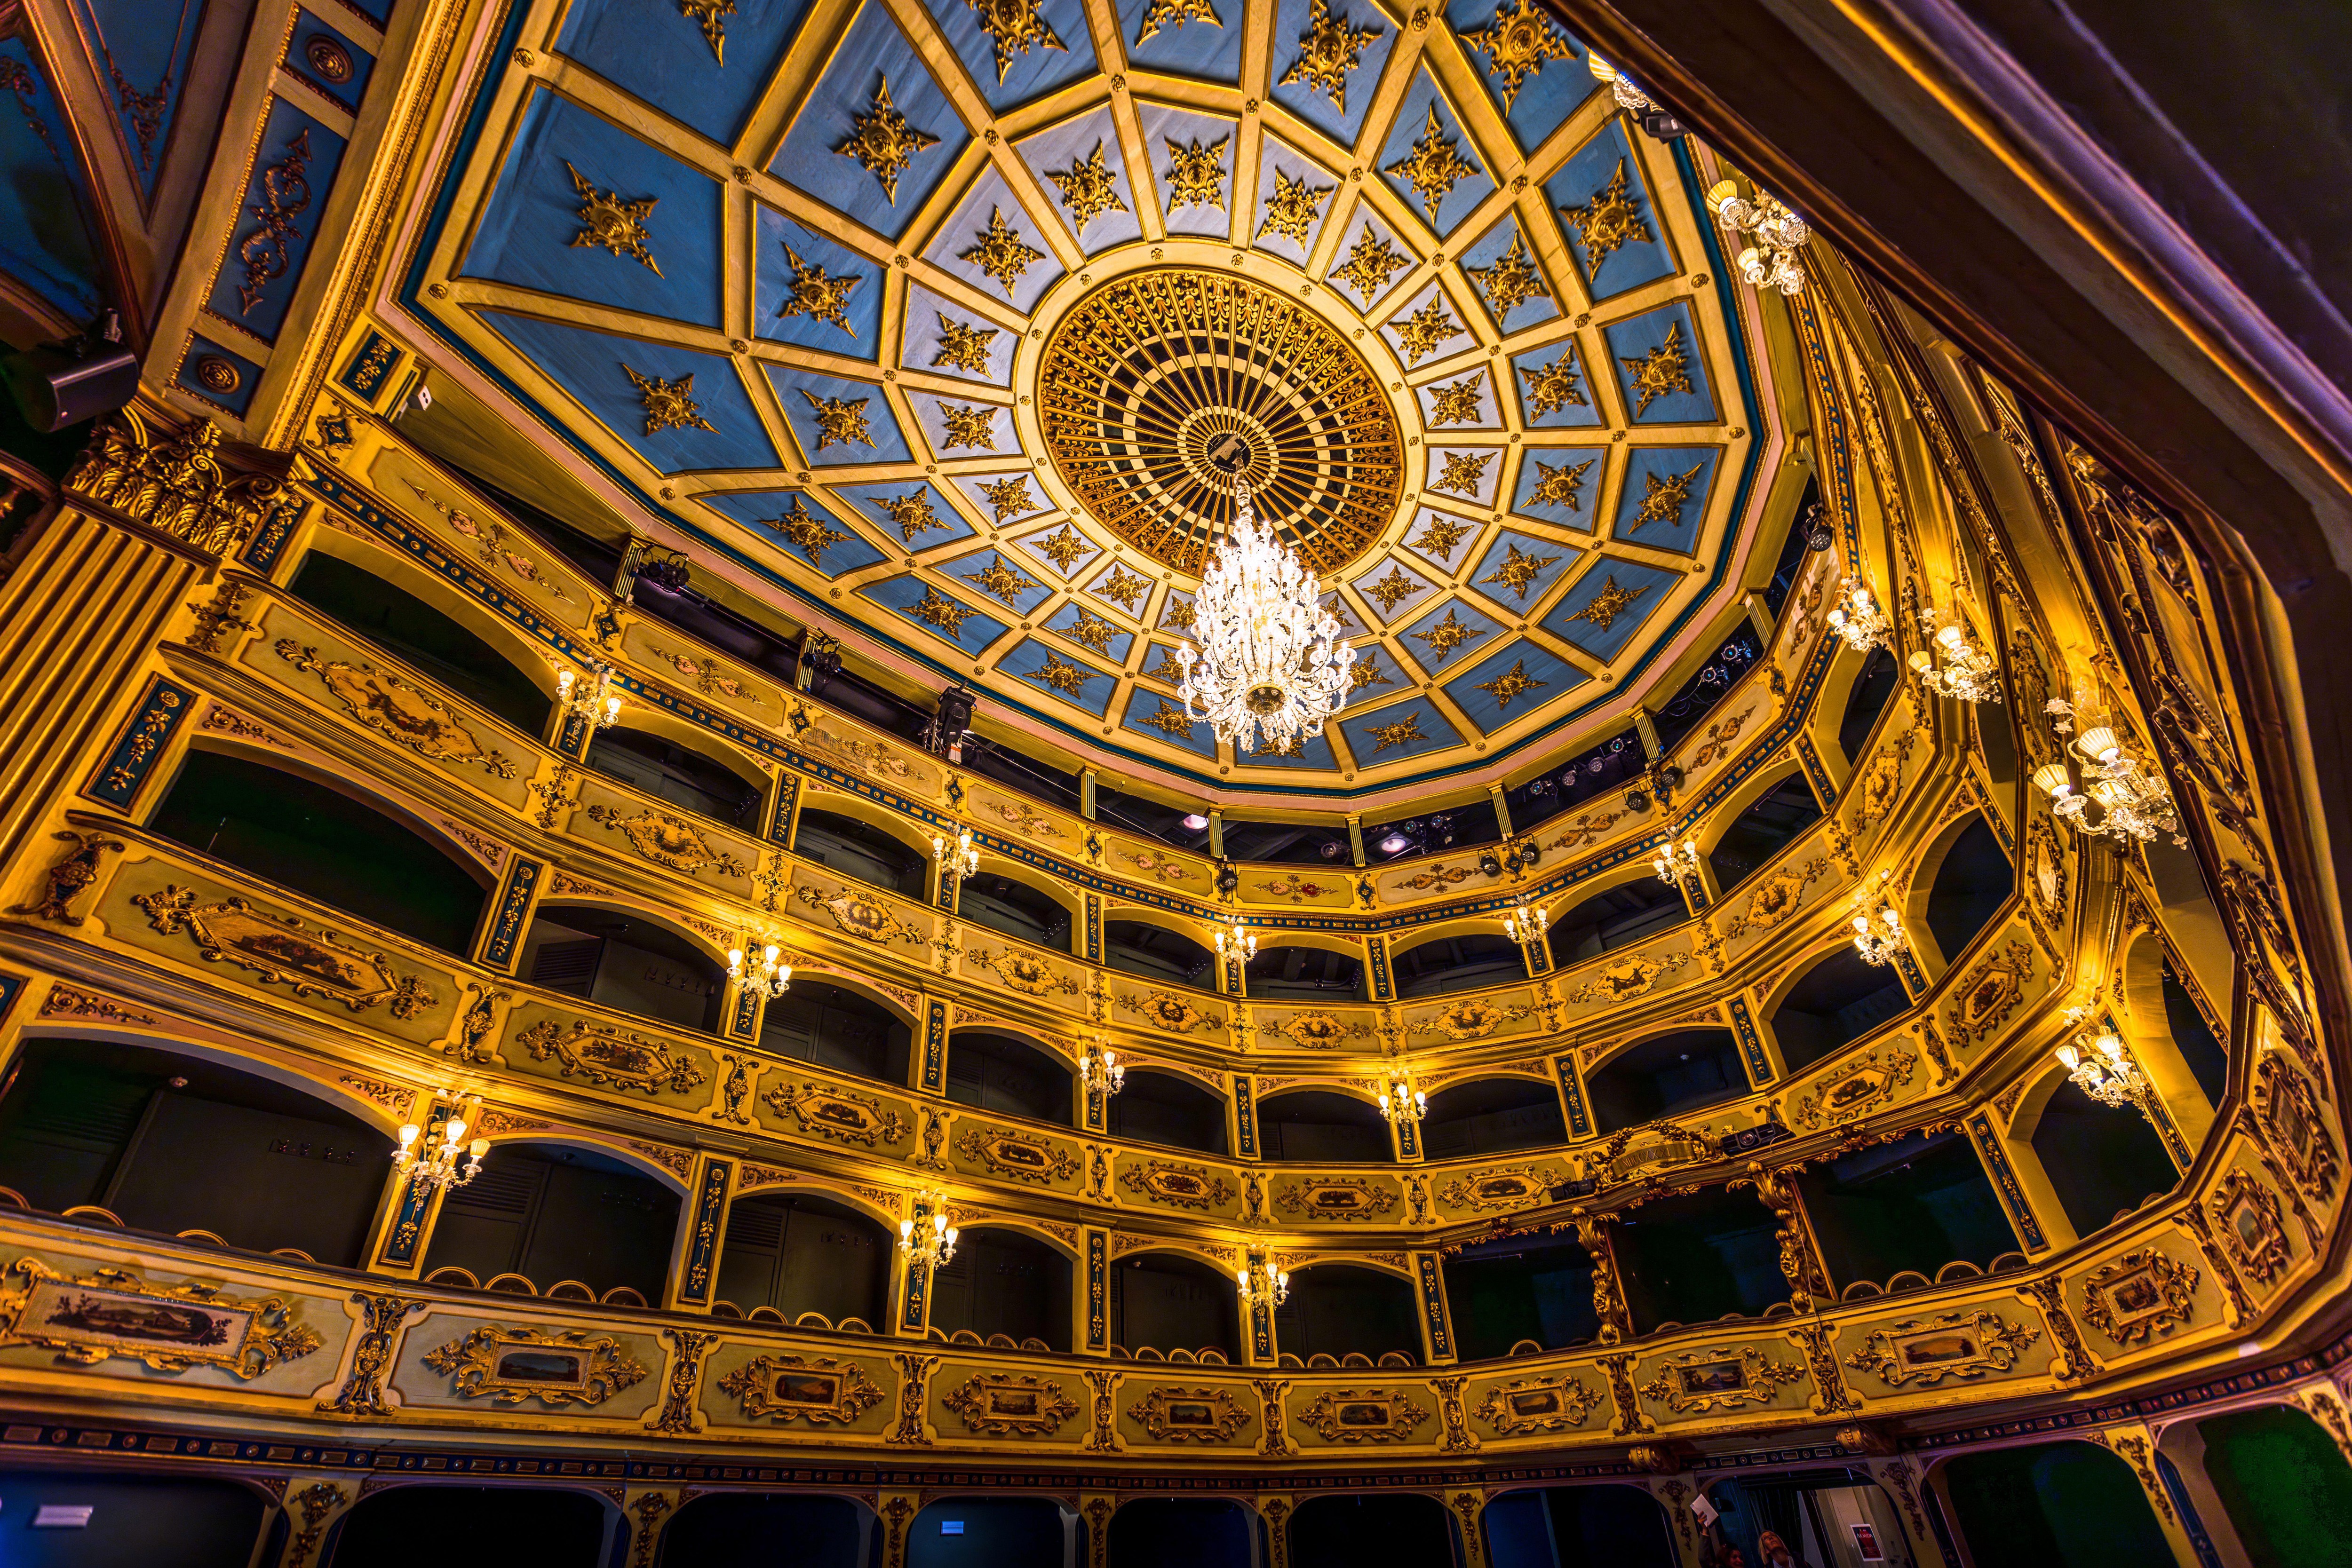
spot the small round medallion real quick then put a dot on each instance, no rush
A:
(217, 375)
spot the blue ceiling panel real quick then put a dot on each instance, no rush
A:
(594, 369)
(874, 57)
(797, 521)
(1010, 68)
(661, 55)
(802, 302)
(1582, 183)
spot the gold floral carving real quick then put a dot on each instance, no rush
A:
(2289, 1112)
(2140, 1296)
(68, 877)
(1777, 898)
(1328, 53)
(1965, 1346)
(1371, 262)
(964, 345)
(1195, 173)
(1625, 980)
(821, 1390)
(611, 1057)
(838, 1115)
(1189, 1414)
(1857, 1086)
(1419, 335)
(1472, 1017)
(1990, 993)
(1664, 497)
(1022, 1156)
(1502, 1189)
(619, 226)
(277, 949)
(1089, 188)
(667, 841)
(1185, 1186)
(1517, 42)
(1611, 218)
(1025, 972)
(1291, 211)
(859, 914)
(1000, 252)
(1171, 1012)
(1334, 1197)
(401, 713)
(1510, 280)
(173, 481)
(1010, 1405)
(2252, 1225)
(884, 143)
(1697, 1381)
(1315, 1032)
(1015, 28)
(1434, 166)
(1527, 1405)
(1363, 1416)
(668, 405)
(90, 1317)
(479, 1365)
(1664, 369)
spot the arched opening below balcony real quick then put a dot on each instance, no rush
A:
(1171, 1110)
(1769, 825)
(1007, 1075)
(1339, 1309)
(2103, 1161)
(1282, 973)
(1972, 882)
(829, 1026)
(2208, 1058)
(429, 642)
(993, 1533)
(1667, 1077)
(1492, 1116)
(496, 1525)
(1156, 954)
(1407, 1530)
(722, 1529)
(1904, 1212)
(1622, 915)
(1164, 1302)
(2051, 1503)
(1474, 962)
(550, 1213)
(2281, 1483)
(1183, 1533)
(1012, 908)
(1837, 1001)
(155, 1521)
(795, 1252)
(1566, 1527)
(1004, 1282)
(860, 852)
(169, 1143)
(676, 775)
(1518, 1291)
(1873, 689)
(1697, 1257)
(300, 834)
(1322, 1127)
(629, 963)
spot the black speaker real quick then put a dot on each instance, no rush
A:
(79, 378)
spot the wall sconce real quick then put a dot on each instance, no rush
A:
(928, 1240)
(765, 974)
(2102, 789)
(2102, 1066)
(1771, 262)
(1675, 862)
(1953, 664)
(594, 702)
(1100, 1071)
(957, 860)
(1403, 1104)
(435, 1166)
(1858, 620)
(1261, 1283)
(1236, 941)
(1527, 926)
(1878, 933)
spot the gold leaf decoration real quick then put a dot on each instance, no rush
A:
(884, 143)
(617, 225)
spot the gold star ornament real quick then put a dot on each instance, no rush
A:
(1552, 387)
(1611, 218)
(1327, 53)
(1196, 174)
(1420, 333)
(1560, 487)
(1370, 263)
(617, 225)
(669, 405)
(1516, 43)
(1458, 402)
(1290, 212)
(1662, 500)
(806, 531)
(1518, 570)
(1606, 606)
(883, 143)
(1434, 166)
(1089, 188)
(1002, 253)
(1465, 472)
(1512, 685)
(1662, 371)
(1014, 27)
(1510, 280)
(815, 295)
(840, 421)
(970, 425)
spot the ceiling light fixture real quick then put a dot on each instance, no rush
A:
(2100, 788)
(593, 702)
(1858, 619)
(1195, 822)
(1268, 667)
(1953, 663)
(1771, 262)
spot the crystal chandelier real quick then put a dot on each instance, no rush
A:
(1261, 1283)
(957, 860)
(1878, 932)
(2101, 1067)
(1953, 663)
(433, 1166)
(928, 1240)
(1526, 926)
(1675, 862)
(1771, 262)
(1100, 1071)
(2102, 789)
(1236, 941)
(1269, 668)
(1858, 619)
(765, 974)
(594, 702)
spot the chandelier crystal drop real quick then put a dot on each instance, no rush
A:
(1268, 668)
(434, 1163)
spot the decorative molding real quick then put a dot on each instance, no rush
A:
(823, 1390)
(554, 1367)
(1363, 1416)
(1011, 1404)
(1695, 1382)
(90, 1317)
(1176, 1415)
(1965, 1344)
(173, 481)
(612, 1058)
(2140, 1296)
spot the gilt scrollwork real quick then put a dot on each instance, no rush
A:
(90, 1317)
(821, 1390)
(554, 1367)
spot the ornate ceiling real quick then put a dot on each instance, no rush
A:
(940, 323)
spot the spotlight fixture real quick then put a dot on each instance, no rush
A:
(765, 974)
(670, 571)
(594, 702)
(434, 1165)
(1228, 879)
(1195, 822)
(1819, 535)
(1395, 844)
(1489, 863)
(1328, 849)
(78, 379)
